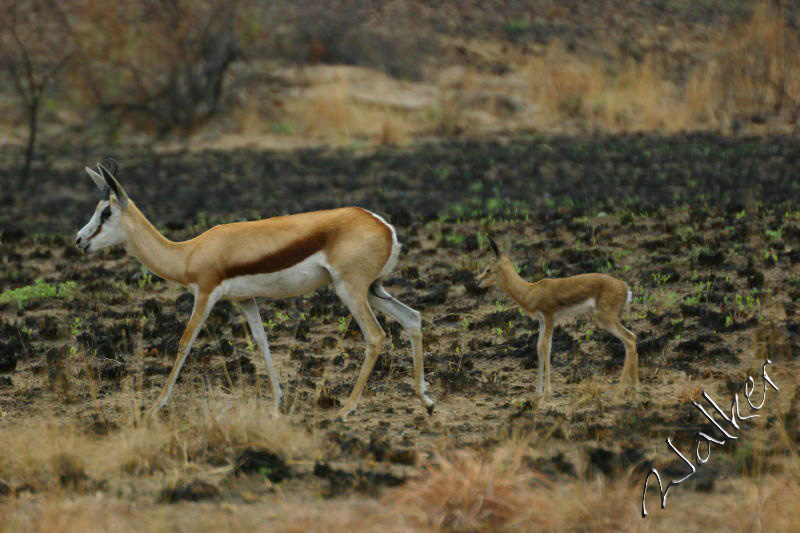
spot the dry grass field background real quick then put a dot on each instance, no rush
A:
(302, 73)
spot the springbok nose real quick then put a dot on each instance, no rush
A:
(78, 241)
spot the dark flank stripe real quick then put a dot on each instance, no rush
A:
(281, 259)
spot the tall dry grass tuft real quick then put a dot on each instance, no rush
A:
(217, 427)
(202, 433)
(750, 69)
(619, 94)
(462, 492)
(43, 454)
(597, 505)
(50, 453)
(758, 64)
(332, 111)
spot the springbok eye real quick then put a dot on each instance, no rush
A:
(105, 214)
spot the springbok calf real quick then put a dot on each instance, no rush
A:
(277, 257)
(550, 300)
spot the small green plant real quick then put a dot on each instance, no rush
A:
(497, 331)
(500, 306)
(670, 298)
(685, 233)
(483, 240)
(608, 267)
(699, 290)
(464, 324)
(146, 278)
(661, 279)
(122, 288)
(455, 238)
(516, 27)
(282, 127)
(75, 326)
(342, 324)
(39, 289)
(774, 235)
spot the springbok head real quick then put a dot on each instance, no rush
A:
(104, 229)
(491, 274)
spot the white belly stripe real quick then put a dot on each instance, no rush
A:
(578, 309)
(302, 278)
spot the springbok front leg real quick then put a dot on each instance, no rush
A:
(411, 321)
(203, 302)
(543, 347)
(250, 310)
(356, 301)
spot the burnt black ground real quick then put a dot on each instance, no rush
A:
(545, 176)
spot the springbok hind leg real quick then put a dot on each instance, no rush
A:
(411, 321)
(630, 369)
(356, 301)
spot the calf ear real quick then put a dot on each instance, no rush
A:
(116, 188)
(100, 182)
(495, 249)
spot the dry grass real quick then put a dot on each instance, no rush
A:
(750, 69)
(337, 109)
(464, 492)
(747, 69)
(460, 491)
(743, 76)
(48, 453)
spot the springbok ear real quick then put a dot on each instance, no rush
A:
(495, 249)
(116, 188)
(100, 182)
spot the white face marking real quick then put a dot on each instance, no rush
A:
(489, 276)
(103, 229)
(302, 278)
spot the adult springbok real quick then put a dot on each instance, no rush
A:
(550, 300)
(277, 257)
